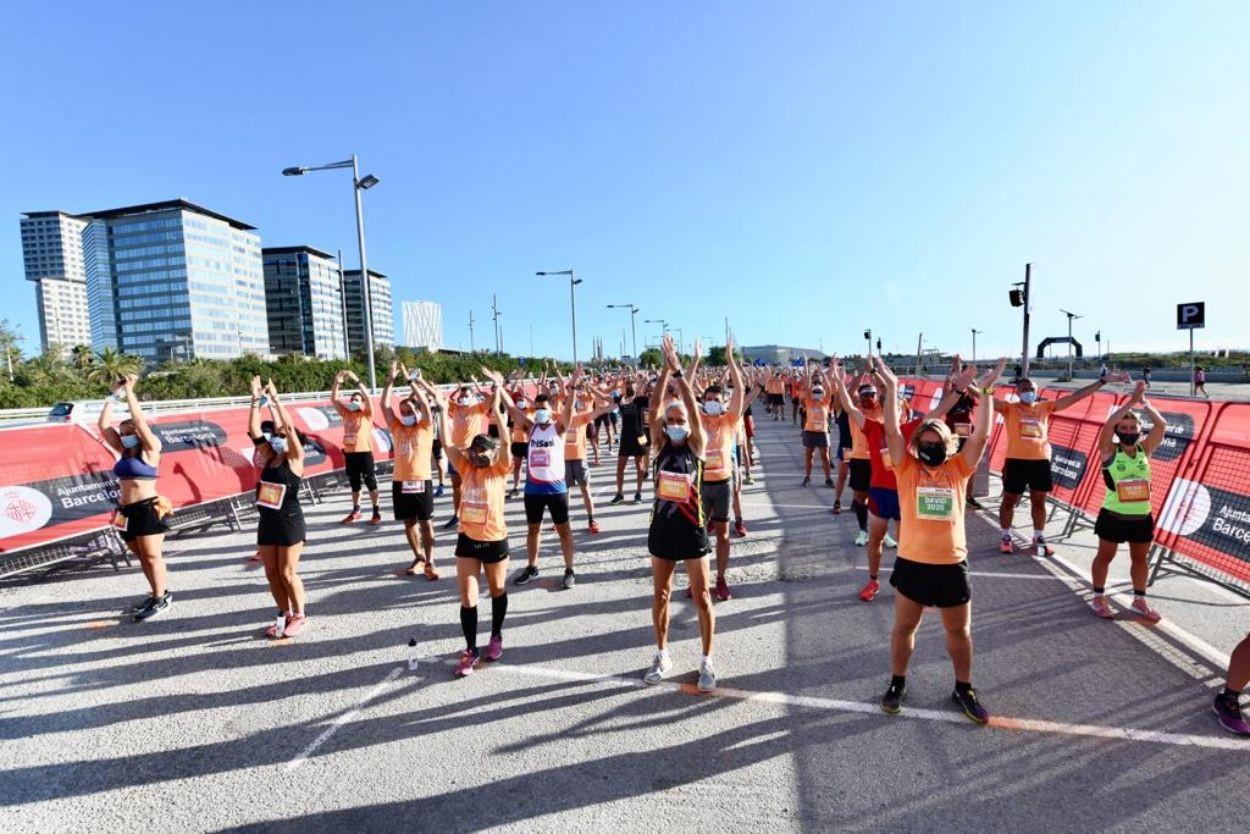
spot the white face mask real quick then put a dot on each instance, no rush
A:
(713, 408)
(520, 403)
(465, 401)
(408, 419)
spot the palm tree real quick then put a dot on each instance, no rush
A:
(111, 366)
(83, 356)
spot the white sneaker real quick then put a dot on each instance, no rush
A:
(661, 665)
(889, 542)
(707, 676)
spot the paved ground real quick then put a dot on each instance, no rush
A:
(193, 722)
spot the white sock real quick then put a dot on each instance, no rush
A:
(662, 653)
(707, 660)
(1006, 532)
(1037, 534)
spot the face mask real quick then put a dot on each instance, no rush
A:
(465, 401)
(868, 402)
(354, 406)
(1028, 397)
(520, 403)
(818, 392)
(713, 408)
(278, 444)
(931, 454)
(542, 416)
(130, 440)
(408, 419)
(1129, 438)
(677, 434)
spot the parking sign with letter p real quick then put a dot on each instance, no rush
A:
(1191, 316)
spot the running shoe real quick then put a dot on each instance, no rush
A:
(468, 659)
(837, 507)
(1100, 607)
(141, 604)
(569, 579)
(438, 493)
(524, 575)
(155, 607)
(740, 529)
(806, 481)
(661, 665)
(351, 518)
(512, 493)
(747, 479)
(452, 523)
(376, 518)
(974, 503)
(593, 527)
(1143, 609)
(1041, 548)
(869, 592)
(892, 700)
(888, 541)
(431, 573)
(861, 538)
(295, 624)
(722, 590)
(494, 651)
(1229, 711)
(617, 499)
(972, 707)
(829, 482)
(1005, 545)
(637, 497)
(707, 676)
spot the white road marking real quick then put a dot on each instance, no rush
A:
(344, 718)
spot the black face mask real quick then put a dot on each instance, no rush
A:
(1130, 438)
(931, 454)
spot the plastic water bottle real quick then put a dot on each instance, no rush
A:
(279, 624)
(414, 654)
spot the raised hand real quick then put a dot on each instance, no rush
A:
(1139, 392)
(256, 390)
(991, 376)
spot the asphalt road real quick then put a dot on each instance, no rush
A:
(195, 722)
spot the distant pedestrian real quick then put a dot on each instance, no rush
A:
(1102, 370)
(1145, 375)
(1200, 382)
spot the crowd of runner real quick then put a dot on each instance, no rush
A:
(689, 431)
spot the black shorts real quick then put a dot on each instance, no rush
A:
(861, 474)
(437, 449)
(815, 440)
(408, 504)
(520, 450)
(1117, 528)
(603, 420)
(492, 430)
(1033, 474)
(275, 529)
(575, 473)
(140, 520)
(487, 553)
(776, 399)
(716, 495)
(943, 586)
(630, 447)
(535, 505)
(360, 468)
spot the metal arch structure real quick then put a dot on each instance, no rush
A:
(1059, 340)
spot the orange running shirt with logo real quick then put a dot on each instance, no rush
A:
(817, 414)
(1028, 429)
(413, 447)
(859, 443)
(357, 428)
(575, 436)
(718, 448)
(481, 501)
(467, 422)
(931, 505)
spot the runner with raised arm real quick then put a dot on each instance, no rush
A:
(633, 438)
(468, 417)
(412, 487)
(585, 412)
(861, 458)
(816, 399)
(357, 416)
(719, 421)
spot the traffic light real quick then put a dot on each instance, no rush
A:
(878, 345)
(1017, 298)
(868, 334)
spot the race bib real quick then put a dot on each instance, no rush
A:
(1133, 491)
(120, 522)
(413, 487)
(817, 414)
(1031, 428)
(349, 439)
(714, 459)
(935, 504)
(540, 458)
(673, 486)
(963, 430)
(473, 513)
(270, 495)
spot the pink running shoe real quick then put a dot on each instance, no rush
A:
(722, 590)
(869, 592)
(740, 529)
(1140, 608)
(1005, 546)
(295, 624)
(1100, 607)
(468, 659)
(495, 650)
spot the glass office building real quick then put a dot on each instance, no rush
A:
(304, 298)
(177, 280)
(383, 318)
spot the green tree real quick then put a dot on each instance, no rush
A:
(83, 357)
(650, 357)
(111, 365)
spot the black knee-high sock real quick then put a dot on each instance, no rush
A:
(468, 624)
(498, 608)
(861, 514)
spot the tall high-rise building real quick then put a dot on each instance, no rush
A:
(383, 318)
(304, 297)
(175, 281)
(423, 324)
(53, 257)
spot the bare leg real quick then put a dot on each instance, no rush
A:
(958, 624)
(1239, 667)
(720, 529)
(149, 553)
(697, 570)
(877, 528)
(907, 614)
(1102, 562)
(824, 461)
(273, 575)
(662, 580)
(1007, 509)
(1037, 500)
(288, 565)
(1140, 569)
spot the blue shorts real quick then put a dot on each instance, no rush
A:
(451, 470)
(883, 503)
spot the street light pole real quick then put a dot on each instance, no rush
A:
(1070, 316)
(633, 315)
(974, 343)
(573, 282)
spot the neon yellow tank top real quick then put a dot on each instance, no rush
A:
(1128, 483)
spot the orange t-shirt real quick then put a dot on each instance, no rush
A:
(931, 505)
(859, 443)
(718, 448)
(575, 436)
(357, 428)
(413, 446)
(774, 386)
(481, 501)
(817, 414)
(467, 422)
(521, 434)
(1027, 429)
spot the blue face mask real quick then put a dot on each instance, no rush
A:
(542, 416)
(130, 441)
(1028, 397)
(408, 419)
(677, 434)
(354, 406)
(278, 444)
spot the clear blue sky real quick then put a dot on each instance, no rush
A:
(806, 169)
